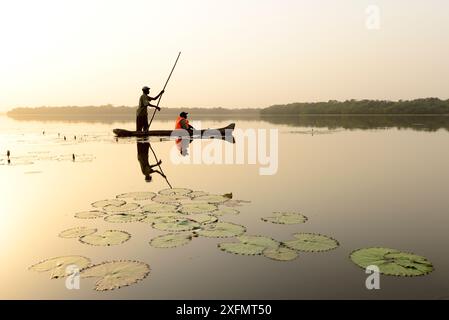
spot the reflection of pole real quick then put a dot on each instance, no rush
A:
(160, 168)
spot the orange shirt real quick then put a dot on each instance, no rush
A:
(179, 124)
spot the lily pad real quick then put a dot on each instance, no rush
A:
(176, 225)
(161, 217)
(261, 241)
(286, 218)
(175, 192)
(93, 214)
(203, 218)
(106, 238)
(127, 207)
(170, 199)
(280, 254)
(221, 230)
(225, 210)
(211, 198)
(111, 202)
(234, 203)
(124, 217)
(194, 208)
(137, 196)
(57, 266)
(194, 194)
(311, 242)
(241, 248)
(159, 207)
(77, 232)
(171, 240)
(392, 262)
(116, 274)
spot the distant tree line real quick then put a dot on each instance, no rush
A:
(418, 106)
(363, 107)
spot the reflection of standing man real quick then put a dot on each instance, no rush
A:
(142, 156)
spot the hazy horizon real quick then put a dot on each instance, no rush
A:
(250, 54)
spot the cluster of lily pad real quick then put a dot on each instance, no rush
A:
(185, 214)
(181, 212)
(281, 250)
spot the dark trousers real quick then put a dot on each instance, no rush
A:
(142, 123)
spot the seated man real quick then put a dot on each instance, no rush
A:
(182, 122)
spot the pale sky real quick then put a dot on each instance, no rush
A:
(235, 53)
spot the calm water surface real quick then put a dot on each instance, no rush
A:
(364, 186)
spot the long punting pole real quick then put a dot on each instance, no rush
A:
(160, 97)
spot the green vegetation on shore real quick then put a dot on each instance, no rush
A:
(350, 107)
(366, 107)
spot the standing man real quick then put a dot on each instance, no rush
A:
(142, 113)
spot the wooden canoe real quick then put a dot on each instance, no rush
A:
(178, 133)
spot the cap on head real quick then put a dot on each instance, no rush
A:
(183, 114)
(145, 88)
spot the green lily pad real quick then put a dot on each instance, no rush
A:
(392, 262)
(286, 218)
(175, 192)
(106, 238)
(121, 208)
(261, 241)
(241, 248)
(234, 203)
(280, 254)
(311, 242)
(116, 274)
(111, 202)
(213, 198)
(93, 214)
(194, 208)
(203, 218)
(223, 211)
(221, 230)
(176, 225)
(171, 240)
(161, 217)
(57, 266)
(137, 196)
(194, 194)
(77, 232)
(159, 207)
(171, 199)
(124, 217)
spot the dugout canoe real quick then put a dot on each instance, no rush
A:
(178, 133)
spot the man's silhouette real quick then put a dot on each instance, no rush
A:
(142, 156)
(142, 113)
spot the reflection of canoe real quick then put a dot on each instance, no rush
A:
(206, 133)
